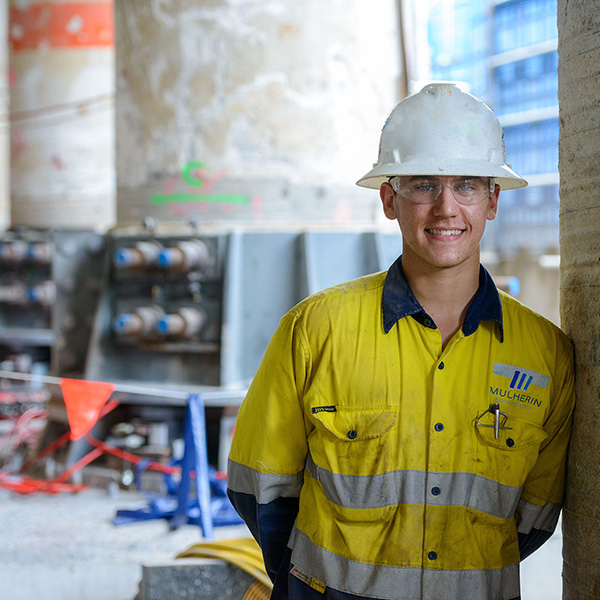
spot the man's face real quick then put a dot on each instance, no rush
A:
(442, 232)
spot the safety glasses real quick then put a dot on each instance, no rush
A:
(427, 189)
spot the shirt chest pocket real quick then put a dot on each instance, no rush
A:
(355, 441)
(509, 457)
(356, 424)
(353, 453)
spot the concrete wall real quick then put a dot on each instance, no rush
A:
(248, 110)
(579, 157)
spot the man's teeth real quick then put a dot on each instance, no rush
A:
(445, 231)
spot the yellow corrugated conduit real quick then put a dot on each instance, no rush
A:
(257, 591)
(241, 552)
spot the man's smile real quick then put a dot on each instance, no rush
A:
(445, 232)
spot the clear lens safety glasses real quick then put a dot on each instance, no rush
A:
(426, 190)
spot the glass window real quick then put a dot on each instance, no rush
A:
(514, 88)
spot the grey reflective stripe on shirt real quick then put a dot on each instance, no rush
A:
(415, 487)
(399, 583)
(265, 487)
(529, 516)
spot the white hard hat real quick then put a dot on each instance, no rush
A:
(442, 130)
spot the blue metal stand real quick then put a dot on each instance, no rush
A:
(195, 458)
(178, 507)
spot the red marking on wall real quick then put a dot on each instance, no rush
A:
(67, 25)
(17, 145)
(12, 77)
(257, 207)
(58, 162)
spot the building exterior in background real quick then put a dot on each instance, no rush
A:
(505, 52)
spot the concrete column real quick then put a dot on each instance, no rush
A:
(4, 121)
(62, 113)
(251, 110)
(579, 160)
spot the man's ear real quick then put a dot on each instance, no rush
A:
(387, 195)
(493, 204)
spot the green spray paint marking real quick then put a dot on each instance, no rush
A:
(189, 176)
(181, 198)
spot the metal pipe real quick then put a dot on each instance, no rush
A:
(207, 395)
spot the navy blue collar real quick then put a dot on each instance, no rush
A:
(398, 301)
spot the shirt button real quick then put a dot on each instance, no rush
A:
(441, 366)
(427, 323)
(439, 427)
(510, 442)
(436, 491)
(352, 434)
(432, 555)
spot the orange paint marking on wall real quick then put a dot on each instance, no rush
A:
(66, 25)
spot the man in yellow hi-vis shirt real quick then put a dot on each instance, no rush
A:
(405, 434)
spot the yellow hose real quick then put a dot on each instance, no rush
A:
(244, 553)
(257, 591)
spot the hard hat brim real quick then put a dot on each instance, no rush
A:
(505, 177)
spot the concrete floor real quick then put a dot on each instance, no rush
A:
(65, 547)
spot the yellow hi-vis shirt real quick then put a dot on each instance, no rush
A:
(415, 466)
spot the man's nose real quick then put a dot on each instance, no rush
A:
(446, 203)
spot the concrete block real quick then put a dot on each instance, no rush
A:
(193, 579)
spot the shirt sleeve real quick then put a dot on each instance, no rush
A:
(542, 495)
(269, 446)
